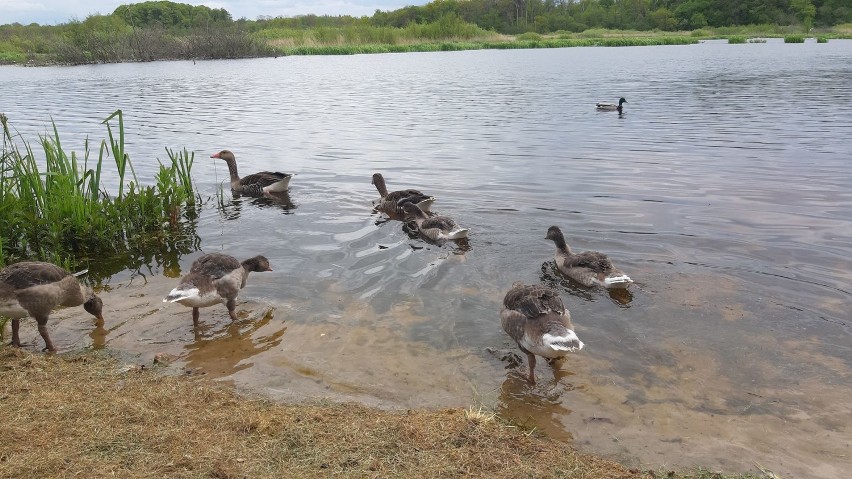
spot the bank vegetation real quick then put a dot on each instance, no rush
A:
(158, 30)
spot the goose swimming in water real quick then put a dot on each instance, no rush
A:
(436, 228)
(391, 203)
(255, 184)
(536, 319)
(213, 279)
(589, 268)
(34, 288)
(611, 106)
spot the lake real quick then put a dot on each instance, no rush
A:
(724, 191)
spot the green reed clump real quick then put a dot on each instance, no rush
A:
(822, 40)
(757, 40)
(736, 39)
(57, 207)
(794, 39)
(529, 36)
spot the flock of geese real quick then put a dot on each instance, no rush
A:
(532, 315)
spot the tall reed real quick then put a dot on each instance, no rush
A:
(56, 207)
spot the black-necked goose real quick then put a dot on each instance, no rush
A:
(215, 278)
(392, 203)
(33, 288)
(589, 268)
(611, 106)
(436, 228)
(534, 316)
(256, 184)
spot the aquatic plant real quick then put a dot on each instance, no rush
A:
(56, 206)
(794, 39)
(736, 39)
(822, 39)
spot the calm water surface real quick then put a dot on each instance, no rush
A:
(724, 191)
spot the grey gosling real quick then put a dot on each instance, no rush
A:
(213, 279)
(392, 203)
(436, 228)
(534, 316)
(33, 288)
(589, 268)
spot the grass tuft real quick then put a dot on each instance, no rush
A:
(56, 205)
(794, 39)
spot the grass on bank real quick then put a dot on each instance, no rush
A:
(56, 205)
(84, 416)
(93, 42)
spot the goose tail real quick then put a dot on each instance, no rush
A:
(620, 281)
(458, 233)
(566, 342)
(279, 186)
(178, 294)
(426, 205)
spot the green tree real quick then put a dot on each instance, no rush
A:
(805, 12)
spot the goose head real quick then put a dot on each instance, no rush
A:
(94, 306)
(257, 264)
(226, 155)
(379, 181)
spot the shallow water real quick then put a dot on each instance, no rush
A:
(724, 191)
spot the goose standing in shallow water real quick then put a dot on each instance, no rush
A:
(611, 106)
(32, 288)
(256, 184)
(215, 278)
(536, 319)
(589, 268)
(391, 203)
(436, 228)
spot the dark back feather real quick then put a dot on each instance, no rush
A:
(215, 265)
(31, 273)
(597, 262)
(443, 223)
(533, 300)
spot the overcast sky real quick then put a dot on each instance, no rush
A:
(51, 12)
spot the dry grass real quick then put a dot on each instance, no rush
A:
(84, 416)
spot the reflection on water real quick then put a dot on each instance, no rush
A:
(224, 350)
(731, 212)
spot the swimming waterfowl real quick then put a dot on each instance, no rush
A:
(611, 106)
(436, 228)
(215, 278)
(256, 184)
(391, 203)
(589, 268)
(534, 316)
(34, 288)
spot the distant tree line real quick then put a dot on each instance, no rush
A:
(545, 16)
(162, 29)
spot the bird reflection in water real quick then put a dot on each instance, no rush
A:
(231, 209)
(223, 351)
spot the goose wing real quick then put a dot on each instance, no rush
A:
(215, 265)
(442, 223)
(533, 301)
(264, 178)
(31, 273)
(597, 262)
